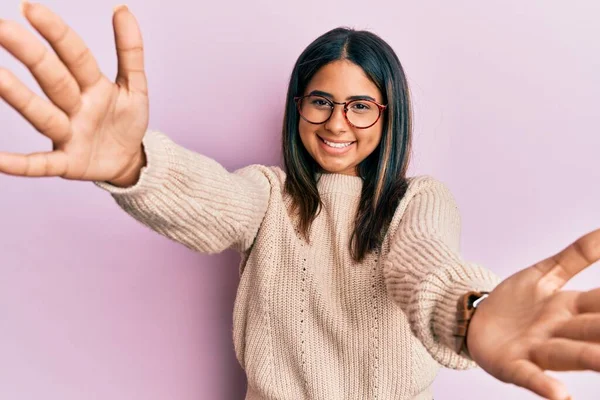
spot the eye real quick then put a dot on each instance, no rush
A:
(320, 103)
(360, 106)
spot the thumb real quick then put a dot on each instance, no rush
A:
(130, 51)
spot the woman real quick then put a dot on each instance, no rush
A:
(352, 285)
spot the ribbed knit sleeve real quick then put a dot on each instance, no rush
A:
(425, 273)
(193, 200)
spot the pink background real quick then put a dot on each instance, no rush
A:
(95, 306)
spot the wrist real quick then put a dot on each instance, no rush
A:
(132, 173)
(471, 335)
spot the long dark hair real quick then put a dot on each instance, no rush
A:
(384, 170)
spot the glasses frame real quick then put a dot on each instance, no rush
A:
(298, 99)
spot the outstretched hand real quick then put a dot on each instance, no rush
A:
(528, 324)
(96, 126)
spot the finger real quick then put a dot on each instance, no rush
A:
(585, 328)
(67, 44)
(589, 302)
(52, 75)
(130, 51)
(34, 165)
(44, 116)
(567, 355)
(529, 376)
(579, 255)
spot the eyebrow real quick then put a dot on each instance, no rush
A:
(330, 96)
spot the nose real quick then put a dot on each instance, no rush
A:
(337, 123)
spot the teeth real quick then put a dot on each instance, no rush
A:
(337, 145)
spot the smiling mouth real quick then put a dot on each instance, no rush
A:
(336, 145)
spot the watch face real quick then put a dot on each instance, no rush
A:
(480, 299)
(475, 298)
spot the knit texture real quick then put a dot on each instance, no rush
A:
(309, 322)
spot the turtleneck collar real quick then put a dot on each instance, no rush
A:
(339, 183)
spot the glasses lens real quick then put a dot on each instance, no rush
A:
(362, 113)
(315, 109)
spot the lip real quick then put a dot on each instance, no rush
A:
(337, 141)
(332, 150)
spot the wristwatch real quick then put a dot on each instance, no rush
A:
(465, 308)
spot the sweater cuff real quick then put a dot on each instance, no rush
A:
(159, 153)
(432, 310)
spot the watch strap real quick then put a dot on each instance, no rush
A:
(465, 309)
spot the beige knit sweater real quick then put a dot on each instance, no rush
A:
(309, 322)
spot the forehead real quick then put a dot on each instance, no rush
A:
(343, 79)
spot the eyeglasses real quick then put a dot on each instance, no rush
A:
(361, 114)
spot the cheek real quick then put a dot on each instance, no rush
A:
(307, 134)
(372, 138)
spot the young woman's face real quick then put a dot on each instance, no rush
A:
(341, 81)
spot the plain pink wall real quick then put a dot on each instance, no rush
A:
(507, 98)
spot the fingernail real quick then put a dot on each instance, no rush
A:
(24, 4)
(120, 7)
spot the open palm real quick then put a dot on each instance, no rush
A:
(528, 324)
(96, 126)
